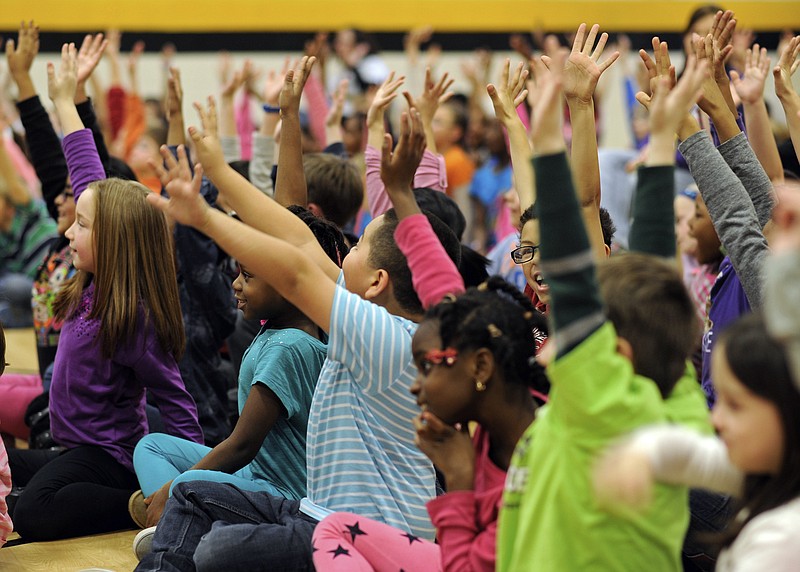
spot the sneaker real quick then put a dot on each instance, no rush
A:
(137, 509)
(143, 543)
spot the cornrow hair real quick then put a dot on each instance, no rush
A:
(328, 235)
(497, 316)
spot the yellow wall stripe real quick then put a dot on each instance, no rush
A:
(380, 15)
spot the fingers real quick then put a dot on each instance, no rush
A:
(587, 47)
(644, 99)
(577, 44)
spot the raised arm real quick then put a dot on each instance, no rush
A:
(788, 96)
(433, 273)
(176, 131)
(254, 207)
(582, 71)
(231, 84)
(750, 89)
(506, 96)
(290, 186)
(264, 144)
(434, 93)
(333, 119)
(653, 226)
(566, 257)
(293, 273)
(43, 143)
(80, 151)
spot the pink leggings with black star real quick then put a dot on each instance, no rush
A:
(349, 542)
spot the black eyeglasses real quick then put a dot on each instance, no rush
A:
(523, 254)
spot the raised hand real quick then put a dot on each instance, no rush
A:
(174, 93)
(750, 88)
(133, 65)
(273, 84)
(713, 96)
(583, 67)
(383, 97)
(398, 166)
(669, 105)
(61, 84)
(89, 55)
(546, 133)
(449, 448)
(433, 95)
(334, 118)
(206, 142)
(20, 57)
(293, 84)
(787, 65)
(232, 84)
(185, 204)
(659, 66)
(509, 93)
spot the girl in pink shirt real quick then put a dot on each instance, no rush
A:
(5, 474)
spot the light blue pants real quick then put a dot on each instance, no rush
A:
(160, 458)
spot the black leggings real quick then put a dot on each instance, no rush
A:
(77, 492)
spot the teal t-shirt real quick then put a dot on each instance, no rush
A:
(550, 519)
(288, 362)
(22, 249)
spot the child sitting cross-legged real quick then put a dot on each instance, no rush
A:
(360, 454)
(267, 449)
(615, 369)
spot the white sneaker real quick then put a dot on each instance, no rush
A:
(143, 543)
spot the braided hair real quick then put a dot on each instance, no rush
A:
(497, 316)
(328, 235)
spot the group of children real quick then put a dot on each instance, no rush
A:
(397, 407)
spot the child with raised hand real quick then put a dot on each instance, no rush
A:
(787, 94)
(431, 172)
(483, 341)
(610, 374)
(361, 455)
(266, 451)
(754, 457)
(122, 333)
(739, 197)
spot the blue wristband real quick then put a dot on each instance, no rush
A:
(271, 109)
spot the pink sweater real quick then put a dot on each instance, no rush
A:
(5, 487)
(433, 273)
(466, 521)
(431, 173)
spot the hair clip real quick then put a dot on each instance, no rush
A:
(483, 286)
(449, 298)
(494, 331)
(448, 356)
(528, 315)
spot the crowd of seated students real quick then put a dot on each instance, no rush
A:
(326, 327)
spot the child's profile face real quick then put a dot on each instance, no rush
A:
(443, 386)
(256, 299)
(702, 230)
(749, 425)
(684, 212)
(65, 203)
(80, 234)
(356, 266)
(529, 236)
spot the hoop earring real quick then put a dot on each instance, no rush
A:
(480, 386)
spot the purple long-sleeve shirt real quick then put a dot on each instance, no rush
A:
(100, 401)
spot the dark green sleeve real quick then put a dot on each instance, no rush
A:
(566, 256)
(653, 226)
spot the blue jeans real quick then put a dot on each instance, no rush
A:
(215, 526)
(710, 514)
(160, 458)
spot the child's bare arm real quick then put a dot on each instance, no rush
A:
(290, 186)
(254, 207)
(295, 274)
(506, 96)
(789, 98)
(582, 71)
(750, 89)
(176, 134)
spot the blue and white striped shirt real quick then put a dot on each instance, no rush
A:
(360, 448)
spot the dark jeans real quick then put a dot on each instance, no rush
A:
(710, 514)
(76, 492)
(215, 526)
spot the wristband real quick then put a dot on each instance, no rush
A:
(271, 109)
